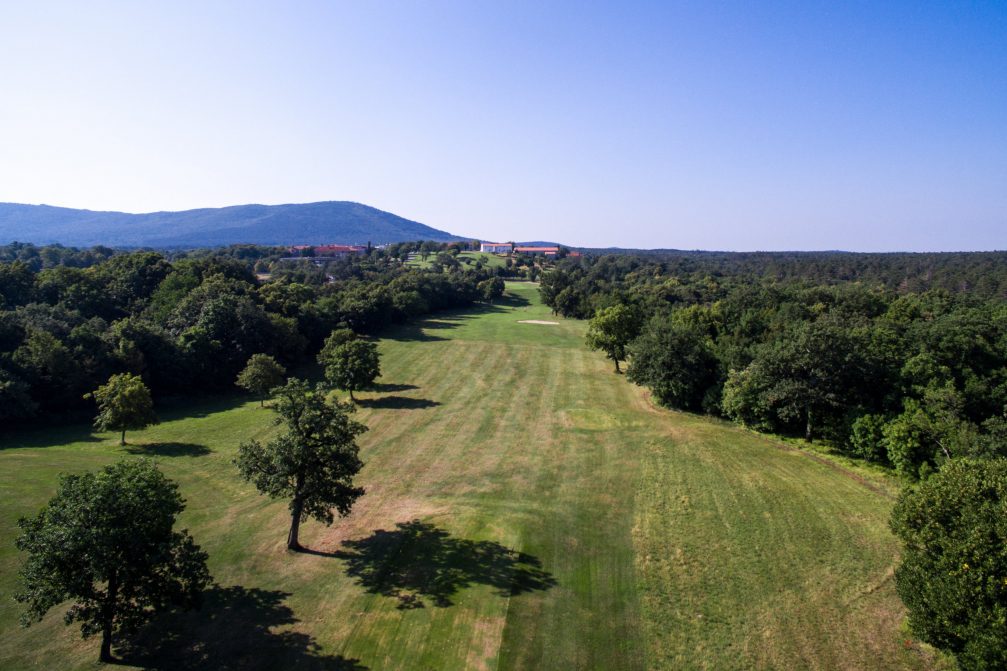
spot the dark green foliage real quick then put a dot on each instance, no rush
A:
(313, 462)
(124, 403)
(867, 439)
(953, 575)
(612, 329)
(15, 401)
(674, 362)
(350, 364)
(261, 373)
(805, 377)
(106, 544)
(16, 282)
(491, 289)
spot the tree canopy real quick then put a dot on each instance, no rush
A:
(106, 543)
(612, 329)
(351, 364)
(953, 575)
(261, 374)
(313, 462)
(124, 403)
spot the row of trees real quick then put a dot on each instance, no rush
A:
(916, 381)
(106, 541)
(189, 324)
(907, 381)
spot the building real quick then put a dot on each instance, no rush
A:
(496, 247)
(536, 251)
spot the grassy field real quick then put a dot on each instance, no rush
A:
(525, 509)
(465, 258)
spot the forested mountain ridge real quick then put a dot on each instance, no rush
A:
(329, 221)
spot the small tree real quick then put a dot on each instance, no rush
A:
(261, 374)
(313, 462)
(106, 543)
(350, 365)
(124, 402)
(611, 330)
(953, 575)
(491, 289)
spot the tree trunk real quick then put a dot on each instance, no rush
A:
(617, 370)
(262, 402)
(807, 425)
(352, 400)
(107, 616)
(296, 508)
(122, 438)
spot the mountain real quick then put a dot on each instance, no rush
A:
(309, 223)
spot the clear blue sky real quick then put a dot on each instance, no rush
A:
(740, 126)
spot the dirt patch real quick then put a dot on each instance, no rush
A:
(537, 321)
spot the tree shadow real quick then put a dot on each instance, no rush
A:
(411, 333)
(48, 436)
(418, 562)
(198, 406)
(397, 403)
(170, 449)
(512, 301)
(235, 629)
(386, 387)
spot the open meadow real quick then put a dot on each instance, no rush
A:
(525, 509)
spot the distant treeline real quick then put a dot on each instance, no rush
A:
(840, 347)
(980, 273)
(188, 323)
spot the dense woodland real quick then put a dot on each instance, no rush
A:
(189, 322)
(834, 347)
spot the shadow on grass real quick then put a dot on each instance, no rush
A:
(512, 301)
(386, 387)
(233, 630)
(420, 331)
(187, 407)
(169, 449)
(418, 562)
(49, 436)
(397, 403)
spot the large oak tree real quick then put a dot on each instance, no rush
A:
(313, 462)
(106, 543)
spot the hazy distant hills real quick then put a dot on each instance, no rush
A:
(308, 223)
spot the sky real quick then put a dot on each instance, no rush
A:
(864, 126)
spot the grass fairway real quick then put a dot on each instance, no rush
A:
(525, 509)
(465, 258)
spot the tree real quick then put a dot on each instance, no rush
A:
(611, 330)
(261, 374)
(350, 365)
(674, 362)
(491, 289)
(123, 403)
(106, 542)
(809, 375)
(312, 462)
(953, 575)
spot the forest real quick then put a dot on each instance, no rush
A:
(188, 322)
(882, 372)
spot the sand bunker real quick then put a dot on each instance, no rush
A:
(537, 321)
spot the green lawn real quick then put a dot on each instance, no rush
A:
(465, 258)
(526, 509)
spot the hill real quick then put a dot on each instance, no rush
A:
(329, 221)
